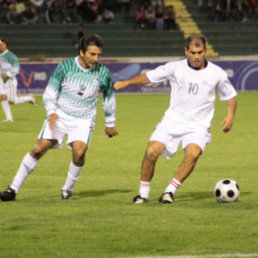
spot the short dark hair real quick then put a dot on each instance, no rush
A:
(5, 41)
(90, 40)
(198, 40)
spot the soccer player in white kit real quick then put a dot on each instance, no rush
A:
(70, 99)
(194, 82)
(9, 68)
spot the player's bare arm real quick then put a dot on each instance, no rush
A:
(111, 131)
(228, 120)
(140, 79)
(52, 120)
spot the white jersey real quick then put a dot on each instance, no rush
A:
(193, 92)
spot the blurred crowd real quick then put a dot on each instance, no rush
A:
(151, 14)
(231, 10)
(63, 11)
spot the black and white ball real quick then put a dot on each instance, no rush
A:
(226, 190)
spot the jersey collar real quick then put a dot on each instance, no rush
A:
(2, 54)
(78, 64)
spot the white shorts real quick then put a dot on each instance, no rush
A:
(74, 128)
(9, 89)
(172, 134)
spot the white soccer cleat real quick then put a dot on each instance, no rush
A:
(166, 198)
(139, 200)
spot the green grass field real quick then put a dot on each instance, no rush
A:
(101, 220)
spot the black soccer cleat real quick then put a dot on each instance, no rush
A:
(139, 200)
(166, 198)
(8, 195)
(66, 195)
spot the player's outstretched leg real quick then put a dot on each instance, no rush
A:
(192, 153)
(7, 111)
(152, 153)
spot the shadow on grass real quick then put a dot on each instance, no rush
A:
(101, 192)
(184, 197)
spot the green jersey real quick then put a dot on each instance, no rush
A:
(75, 91)
(9, 64)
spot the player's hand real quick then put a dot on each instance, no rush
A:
(227, 123)
(52, 120)
(4, 77)
(111, 131)
(120, 85)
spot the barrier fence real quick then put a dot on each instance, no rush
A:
(33, 77)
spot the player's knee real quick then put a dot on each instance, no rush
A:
(152, 154)
(40, 148)
(79, 157)
(78, 160)
(193, 152)
(3, 97)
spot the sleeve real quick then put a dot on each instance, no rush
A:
(109, 101)
(52, 90)
(225, 89)
(161, 73)
(15, 66)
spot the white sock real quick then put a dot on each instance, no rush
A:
(173, 186)
(19, 100)
(27, 166)
(72, 177)
(7, 109)
(144, 189)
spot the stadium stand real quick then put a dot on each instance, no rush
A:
(227, 37)
(122, 40)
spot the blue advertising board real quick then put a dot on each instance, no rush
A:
(33, 78)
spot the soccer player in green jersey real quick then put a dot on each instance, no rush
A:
(70, 99)
(9, 68)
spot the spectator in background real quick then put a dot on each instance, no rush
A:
(107, 10)
(217, 11)
(15, 12)
(20, 6)
(159, 17)
(39, 5)
(55, 11)
(144, 3)
(123, 5)
(12, 15)
(88, 9)
(29, 15)
(69, 8)
(150, 17)
(156, 3)
(170, 18)
(242, 10)
(251, 4)
(140, 18)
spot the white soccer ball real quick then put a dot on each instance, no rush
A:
(226, 190)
